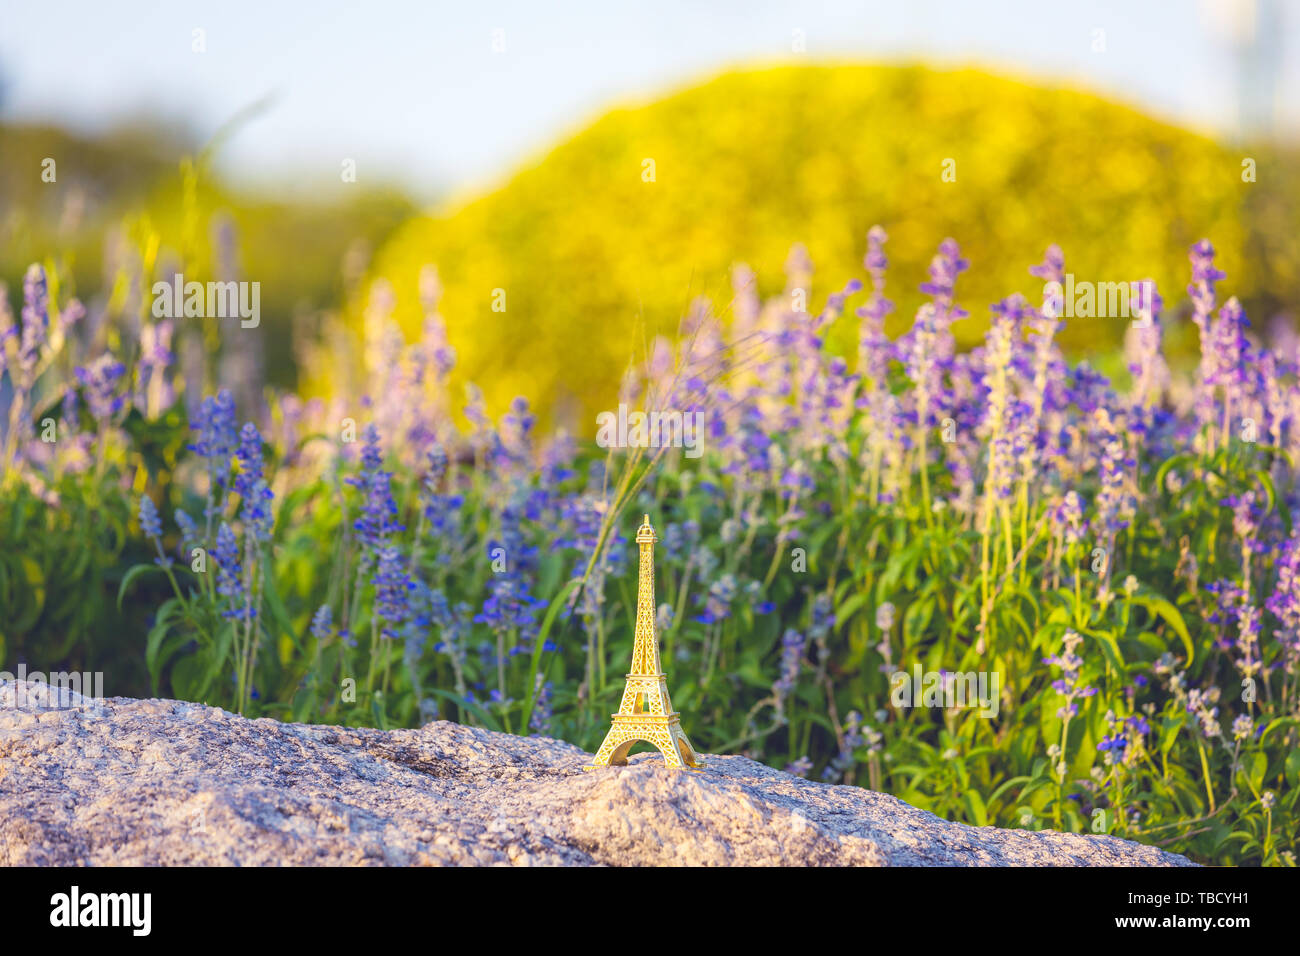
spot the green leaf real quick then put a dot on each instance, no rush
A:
(1265, 479)
(185, 678)
(1169, 729)
(154, 658)
(540, 642)
(130, 576)
(849, 608)
(819, 537)
(975, 808)
(1159, 481)
(215, 664)
(35, 579)
(1277, 722)
(275, 605)
(1171, 616)
(1253, 768)
(1109, 648)
(1006, 785)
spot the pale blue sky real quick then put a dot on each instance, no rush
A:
(414, 90)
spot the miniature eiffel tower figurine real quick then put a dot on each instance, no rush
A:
(646, 713)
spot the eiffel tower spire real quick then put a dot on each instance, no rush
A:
(646, 713)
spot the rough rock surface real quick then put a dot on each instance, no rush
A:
(168, 782)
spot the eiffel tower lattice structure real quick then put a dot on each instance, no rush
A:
(646, 713)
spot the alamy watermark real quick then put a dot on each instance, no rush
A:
(1100, 300)
(667, 429)
(52, 691)
(215, 300)
(130, 910)
(946, 689)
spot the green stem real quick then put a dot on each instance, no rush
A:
(1205, 771)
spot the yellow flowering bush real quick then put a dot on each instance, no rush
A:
(650, 207)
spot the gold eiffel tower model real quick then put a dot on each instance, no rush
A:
(646, 713)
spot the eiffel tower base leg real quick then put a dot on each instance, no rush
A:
(668, 740)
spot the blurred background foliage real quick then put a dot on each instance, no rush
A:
(594, 260)
(752, 161)
(126, 191)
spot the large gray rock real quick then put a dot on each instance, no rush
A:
(168, 782)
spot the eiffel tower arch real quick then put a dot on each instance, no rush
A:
(646, 713)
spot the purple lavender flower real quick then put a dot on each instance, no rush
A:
(1245, 522)
(100, 381)
(677, 540)
(1232, 358)
(754, 595)
(792, 651)
(1069, 685)
(378, 519)
(1114, 504)
(150, 522)
(250, 484)
(1284, 602)
(1052, 268)
(998, 427)
(1116, 743)
(1044, 366)
(945, 267)
(1248, 623)
(718, 600)
(1123, 743)
(1202, 704)
(441, 511)
(189, 531)
(540, 722)
(216, 442)
(151, 526)
(1230, 599)
(392, 592)
(256, 513)
(249, 454)
(322, 623)
(229, 573)
(36, 318)
(875, 261)
(1204, 276)
(850, 741)
(450, 623)
(511, 605)
(516, 433)
(919, 351)
(1242, 727)
(874, 350)
(1142, 346)
(8, 328)
(823, 618)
